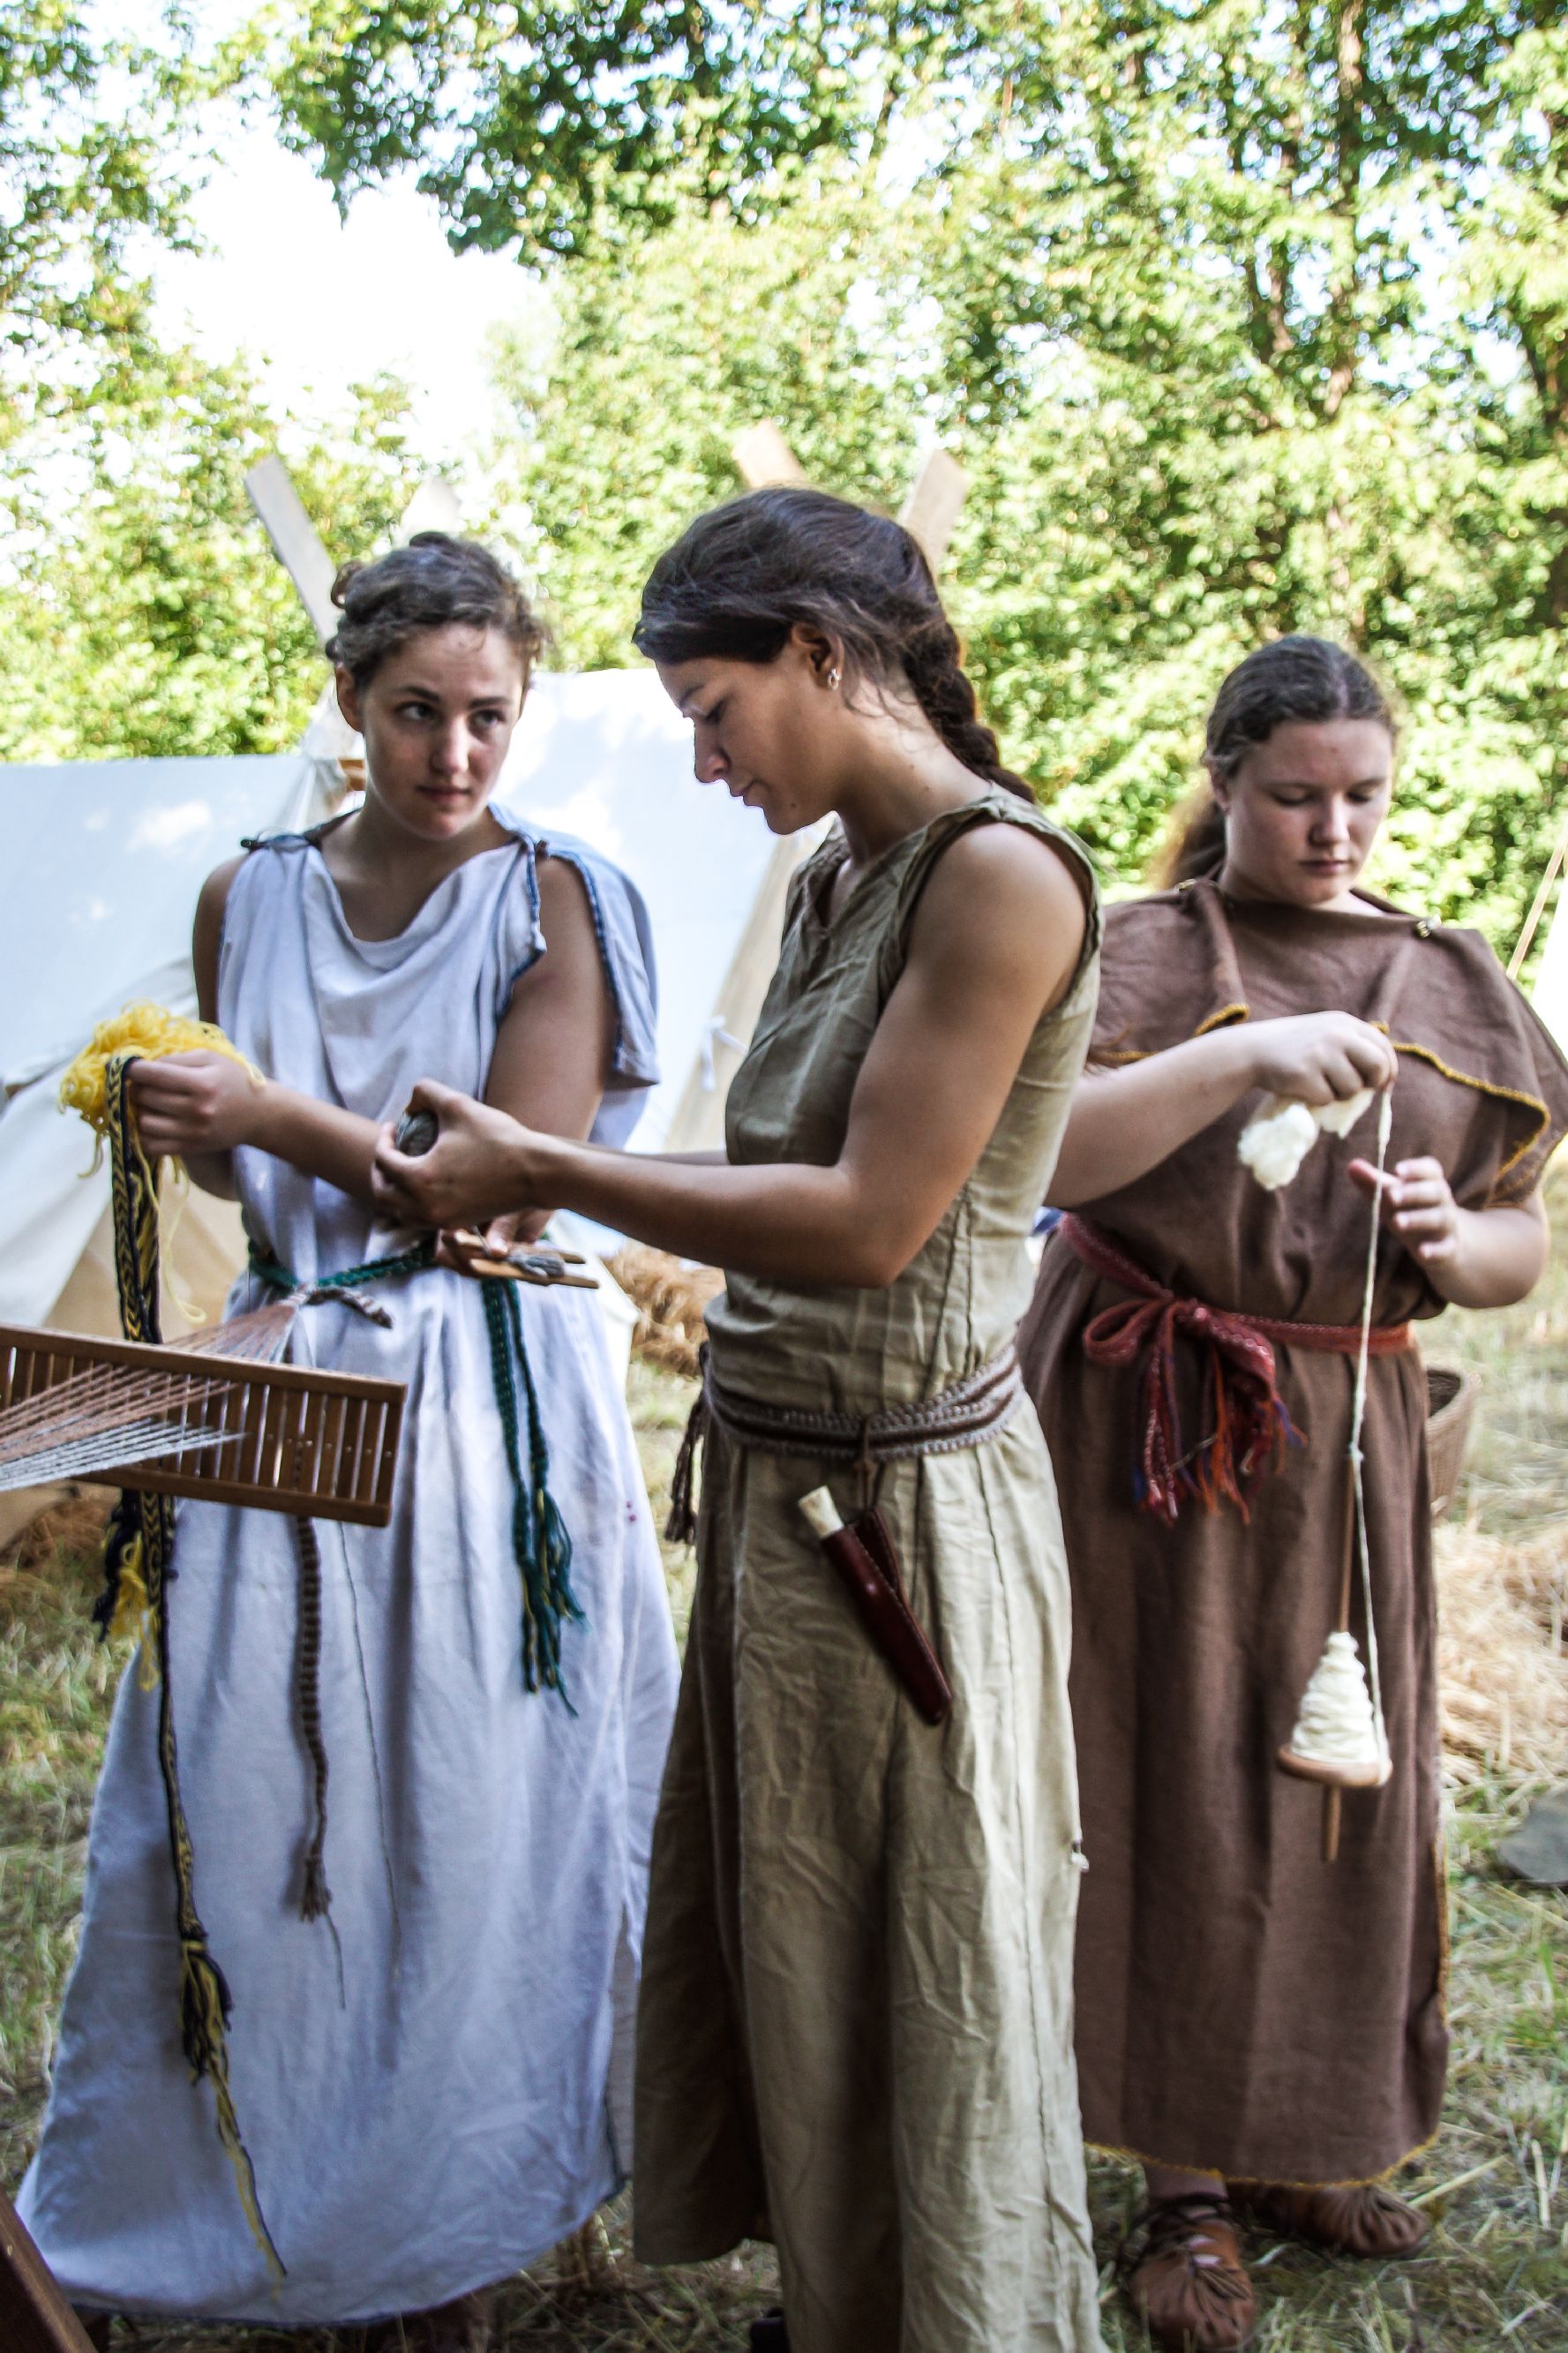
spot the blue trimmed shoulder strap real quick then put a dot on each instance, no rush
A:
(626, 946)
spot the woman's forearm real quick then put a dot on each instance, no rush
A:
(1124, 1123)
(322, 1139)
(1499, 1257)
(794, 1222)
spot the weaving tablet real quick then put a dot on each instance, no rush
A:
(279, 1438)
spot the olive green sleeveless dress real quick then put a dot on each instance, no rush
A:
(855, 2026)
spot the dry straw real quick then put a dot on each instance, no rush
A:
(671, 1298)
(1502, 1668)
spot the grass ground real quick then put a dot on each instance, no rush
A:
(1494, 2272)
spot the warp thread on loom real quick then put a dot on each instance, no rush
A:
(141, 1538)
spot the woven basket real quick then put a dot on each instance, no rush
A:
(1450, 1409)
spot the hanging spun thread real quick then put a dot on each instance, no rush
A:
(1339, 1737)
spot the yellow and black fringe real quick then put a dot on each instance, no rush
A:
(141, 1542)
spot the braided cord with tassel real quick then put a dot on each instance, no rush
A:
(541, 1543)
(140, 1537)
(539, 1540)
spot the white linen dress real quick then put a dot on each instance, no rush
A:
(432, 2086)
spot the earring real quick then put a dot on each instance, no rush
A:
(833, 678)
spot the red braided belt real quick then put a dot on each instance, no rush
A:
(1251, 1425)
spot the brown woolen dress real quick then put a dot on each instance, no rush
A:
(1244, 2007)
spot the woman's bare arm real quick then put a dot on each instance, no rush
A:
(1124, 1123)
(945, 1058)
(550, 1060)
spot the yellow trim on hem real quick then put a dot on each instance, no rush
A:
(1263, 2181)
(1226, 1017)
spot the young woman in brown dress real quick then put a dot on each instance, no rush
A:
(855, 2034)
(1262, 2028)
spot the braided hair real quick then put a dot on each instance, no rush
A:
(435, 582)
(741, 577)
(1308, 679)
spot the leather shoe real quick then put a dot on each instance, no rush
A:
(1182, 2265)
(1360, 2219)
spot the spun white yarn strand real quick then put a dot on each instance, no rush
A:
(1357, 1415)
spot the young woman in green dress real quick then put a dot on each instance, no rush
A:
(855, 2032)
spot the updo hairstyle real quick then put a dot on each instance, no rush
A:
(1310, 680)
(743, 575)
(435, 582)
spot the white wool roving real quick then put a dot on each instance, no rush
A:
(1338, 1118)
(1281, 1132)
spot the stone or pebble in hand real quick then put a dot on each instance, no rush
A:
(415, 1133)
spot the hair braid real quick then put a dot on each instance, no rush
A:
(933, 663)
(740, 578)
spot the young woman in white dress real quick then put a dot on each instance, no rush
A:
(430, 2078)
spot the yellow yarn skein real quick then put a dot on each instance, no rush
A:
(139, 1028)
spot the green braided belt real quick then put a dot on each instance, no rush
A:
(541, 1544)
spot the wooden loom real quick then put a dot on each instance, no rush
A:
(33, 2315)
(279, 1438)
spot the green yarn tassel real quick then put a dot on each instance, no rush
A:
(539, 1539)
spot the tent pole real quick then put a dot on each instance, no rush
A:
(1522, 948)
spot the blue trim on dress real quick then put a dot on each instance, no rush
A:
(612, 979)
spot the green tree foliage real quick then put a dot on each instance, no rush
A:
(85, 185)
(141, 610)
(622, 421)
(1244, 319)
(551, 126)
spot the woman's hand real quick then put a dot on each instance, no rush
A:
(194, 1103)
(1472, 1257)
(1319, 1057)
(459, 1247)
(1124, 1122)
(482, 1165)
(1417, 1205)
